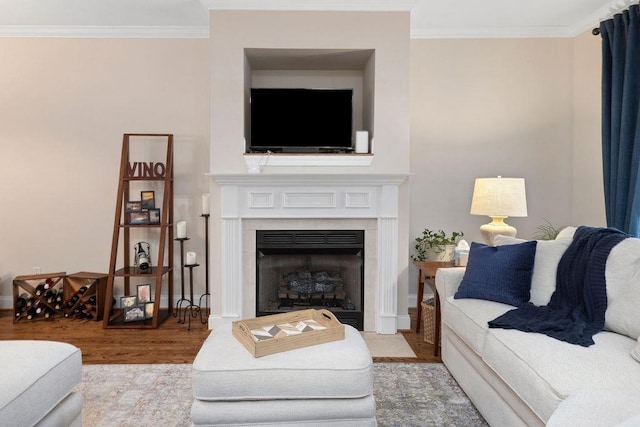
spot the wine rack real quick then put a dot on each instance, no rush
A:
(46, 296)
(31, 296)
(84, 295)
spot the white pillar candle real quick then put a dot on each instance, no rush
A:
(191, 258)
(181, 230)
(205, 204)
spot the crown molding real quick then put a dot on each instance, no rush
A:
(492, 32)
(106, 32)
(203, 32)
(319, 5)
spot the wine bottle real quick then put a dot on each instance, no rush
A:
(50, 295)
(31, 313)
(40, 289)
(143, 258)
(39, 306)
(48, 284)
(92, 300)
(82, 290)
(72, 300)
(48, 313)
(21, 301)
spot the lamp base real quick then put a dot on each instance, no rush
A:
(496, 227)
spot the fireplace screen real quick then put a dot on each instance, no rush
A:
(302, 269)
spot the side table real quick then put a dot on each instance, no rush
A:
(427, 274)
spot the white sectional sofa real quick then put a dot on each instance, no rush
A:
(37, 384)
(518, 378)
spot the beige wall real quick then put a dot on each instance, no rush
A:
(588, 189)
(65, 104)
(518, 107)
(484, 108)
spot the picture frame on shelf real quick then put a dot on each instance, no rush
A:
(132, 206)
(134, 314)
(128, 301)
(139, 217)
(148, 199)
(144, 293)
(148, 310)
(154, 216)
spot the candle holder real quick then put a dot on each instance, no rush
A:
(191, 309)
(204, 314)
(182, 299)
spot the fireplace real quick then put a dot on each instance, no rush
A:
(252, 202)
(302, 269)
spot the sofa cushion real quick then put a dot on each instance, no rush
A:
(545, 266)
(635, 351)
(623, 288)
(499, 273)
(596, 408)
(469, 317)
(630, 422)
(36, 376)
(545, 371)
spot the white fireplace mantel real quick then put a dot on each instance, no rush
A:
(315, 197)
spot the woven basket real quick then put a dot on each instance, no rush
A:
(429, 320)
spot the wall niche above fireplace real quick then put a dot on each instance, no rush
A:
(322, 69)
(302, 269)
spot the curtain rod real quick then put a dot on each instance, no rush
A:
(612, 11)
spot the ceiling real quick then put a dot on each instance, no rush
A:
(189, 18)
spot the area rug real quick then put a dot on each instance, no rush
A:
(406, 395)
(387, 345)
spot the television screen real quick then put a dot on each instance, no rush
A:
(297, 120)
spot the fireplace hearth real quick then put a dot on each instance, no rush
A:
(302, 269)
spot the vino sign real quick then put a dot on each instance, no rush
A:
(146, 170)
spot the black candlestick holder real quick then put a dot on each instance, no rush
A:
(182, 299)
(191, 309)
(204, 314)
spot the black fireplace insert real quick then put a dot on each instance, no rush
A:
(302, 269)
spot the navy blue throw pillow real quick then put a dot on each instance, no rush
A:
(499, 273)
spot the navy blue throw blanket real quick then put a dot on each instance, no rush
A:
(577, 307)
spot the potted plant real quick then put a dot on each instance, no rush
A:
(434, 245)
(547, 231)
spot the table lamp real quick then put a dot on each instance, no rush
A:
(498, 198)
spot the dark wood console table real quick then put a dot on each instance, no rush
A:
(427, 274)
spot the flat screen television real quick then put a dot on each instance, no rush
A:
(301, 120)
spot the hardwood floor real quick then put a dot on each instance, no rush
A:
(169, 343)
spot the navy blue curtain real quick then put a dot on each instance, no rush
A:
(621, 119)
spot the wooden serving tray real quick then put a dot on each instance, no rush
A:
(287, 331)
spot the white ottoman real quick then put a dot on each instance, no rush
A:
(325, 384)
(38, 378)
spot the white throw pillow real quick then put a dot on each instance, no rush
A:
(635, 351)
(545, 266)
(623, 288)
(567, 233)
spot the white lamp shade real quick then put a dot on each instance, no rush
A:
(499, 197)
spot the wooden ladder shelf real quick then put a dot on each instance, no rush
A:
(160, 275)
